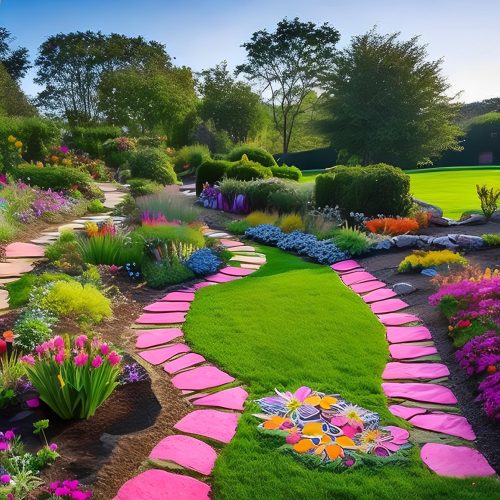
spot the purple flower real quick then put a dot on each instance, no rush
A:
(9, 435)
(5, 478)
(53, 447)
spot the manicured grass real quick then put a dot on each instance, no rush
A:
(310, 175)
(293, 323)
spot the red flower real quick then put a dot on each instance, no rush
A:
(463, 323)
(491, 369)
(3, 346)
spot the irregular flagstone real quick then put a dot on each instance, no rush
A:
(454, 425)
(380, 294)
(405, 412)
(455, 461)
(357, 277)
(213, 424)
(395, 319)
(408, 351)
(4, 299)
(203, 377)
(71, 225)
(218, 235)
(345, 265)
(204, 284)
(430, 393)
(15, 268)
(44, 240)
(243, 248)
(182, 362)
(389, 305)
(398, 334)
(151, 338)
(161, 318)
(394, 371)
(4, 281)
(222, 278)
(157, 484)
(250, 266)
(19, 250)
(231, 399)
(231, 243)
(235, 271)
(179, 296)
(165, 306)
(158, 356)
(249, 259)
(367, 286)
(187, 452)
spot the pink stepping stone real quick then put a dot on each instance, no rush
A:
(179, 296)
(408, 351)
(454, 425)
(151, 338)
(235, 271)
(157, 356)
(243, 248)
(222, 278)
(388, 306)
(183, 362)
(345, 265)
(455, 461)
(213, 424)
(203, 377)
(405, 412)
(395, 319)
(186, 451)
(14, 268)
(356, 277)
(231, 399)
(157, 484)
(18, 249)
(398, 334)
(380, 294)
(161, 318)
(367, 286)
(428, 393)
(165, 306)
(249, 259)
(230, 243)
(415, 371)
(204, 284)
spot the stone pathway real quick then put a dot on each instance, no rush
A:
(217, 398)
(415, 381)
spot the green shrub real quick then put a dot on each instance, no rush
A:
(108, 250)
(258, 192)
(211, 171)
(164, 273)
(19, 291)
(90, 139)
(230, 188)
(7, 229)
(143, 187)
(246, 170)
(237, 226)
(151, 141)
(181, 234)
(117, 152)
(189, 158)
(55, 250)
(488, 198)
(286, 172)
(30, 331)
(152, 164)
(258, 155)
(352, 240)
(491, 239)
(96, 207)
(289, 200)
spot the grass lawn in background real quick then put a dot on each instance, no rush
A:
(294, 323)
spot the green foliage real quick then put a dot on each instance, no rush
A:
(16, 61)
(286, 172)
(237, 226)
(254, 154)
(211, 171)
(491, 239)
(96, 207)
(488, 199)
(324, 190)
(13, 101)
(30, 331)
(189, 158)
(152, 164)
(109, 249)
(289, 200)
(352, 240)
(89, 139)
(143, 187)
(181, 234)
(164, 273)
(55, 250)
(7, 229)
(246, 170)
(19, 290)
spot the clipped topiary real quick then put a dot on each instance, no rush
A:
(211, 171)
(247, 170)
(258, 155)
(286, 172)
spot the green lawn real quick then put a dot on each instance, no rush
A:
(293, 323)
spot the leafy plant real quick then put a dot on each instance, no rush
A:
(237, 226)
(143, 187)
(488, 198)
(257, 155)
(152, 164)
(286, 172)
(419, 260)
(96, 207)
(491, 239)
(352, 240)
(189, 158)
(109, 249)
(169, 271)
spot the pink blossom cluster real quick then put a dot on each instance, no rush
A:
(480, 354)
(489, 394)
(69, 489)
(157, 219)
(49, 201)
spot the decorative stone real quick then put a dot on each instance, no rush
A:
(4, 299)
(405, 240)
(187, 452)
(445, 423)
(356, 277)
(243, 248)
(398, 334)
(467, 241)
(249, 259)
(179, 296)
(157, 484)
(473, 220)
(218, 235)
(444, 241)
(203, 377)
(405, 412)
(235, 271)
(222, 278)
(230, 243)
(18, 249)
(161, 318)
(367, 286)
(71, 225)
(213, 424)
(455, 461)
(427, 393)
(389, 305)
(345, 265)
(158, 356)
(429, 371)
(380, 294)
(15, 268)
(403, 288)
(409, 351)
(386, 244)
(230, 399)
(151, 338)
(204, 284)
(182, 362)
(250, 266)
(165, 306)
(395, 319)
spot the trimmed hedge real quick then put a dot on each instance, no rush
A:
(90, 139)
(154, 164)
(142, 187)
(258, 155)
(211, 171)
(246, 170)
(372, 190)
(286, 172)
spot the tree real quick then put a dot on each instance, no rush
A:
(229, 104)
(15, 61)
(13, 102)
(288, 64)
(388, 102)
(71, 67)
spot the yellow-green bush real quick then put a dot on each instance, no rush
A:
(419, 260)
(292, 222)
(257, 218)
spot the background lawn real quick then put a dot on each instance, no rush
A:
(293, 323)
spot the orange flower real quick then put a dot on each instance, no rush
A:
(54, 159)
(491, 369)
(8, 336)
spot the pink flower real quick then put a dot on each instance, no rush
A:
(80, 341)
(58, 342)
(80, 495)
(71, 484)
(114, 358)
(41, 349)
(59, 358)
(97, 362)
(104, 349)
(4, 446)
(5, 478)
(9, 435)
(54, 485)
(81, 359)
(28, 359)
(53, 446)
(293, 438)
(62, 491)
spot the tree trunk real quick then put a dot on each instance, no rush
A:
(285, 136)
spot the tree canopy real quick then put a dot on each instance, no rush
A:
(15, 61)
(13, 102)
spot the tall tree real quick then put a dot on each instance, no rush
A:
(13, 102)
(71, 66)
(388, 102)
(15, 61)
(288, 64)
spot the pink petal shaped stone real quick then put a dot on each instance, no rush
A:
(428, 371)
(19, 250)
(183, 362)
(345, 265)
(398, 334)
(151, 338)
(399, 435)
(395, 319)
(230, 243)
(367, 286)
(157, 356)
(213, 424)
(455, 461)
(249, 259)
(230, 399)
(203, 377)
(179, 296)
(244, 248)
(203, 284)
(380, 294)
(235, 271)
(408, 351)
(389, 305)
(356, 277)
(222, 278)
(405, 412)
(161, 318)
(157, 484)
(454, 425)
(165, 306)
(187, 452)
(428, 393)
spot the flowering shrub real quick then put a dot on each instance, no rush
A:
(73, 379)
(203, 262)
(392, 226)
(469, 273)
(68, 489)
(419, 260)
(489, 394)
(480, 354)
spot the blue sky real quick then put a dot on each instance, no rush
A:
(201, 33)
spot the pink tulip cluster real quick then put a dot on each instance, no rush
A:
(68, 489)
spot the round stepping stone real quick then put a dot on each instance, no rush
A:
(235, 271)
(187, 452)
(222, 278)
(161, 318)
(158, 356)
(157, 484)
(455, 461)
(356, 277)
(230, 243)
(213, 424)
(388, 306)
(380, 294)
(405, 412)
(243, 248)
(152, 338)
(395, 319)
(15, 268)
(367, 286)
(18, 249)
(179, 296)
(398, 334)
(428, 393)
(395, 371)
(204, 284)
(203, 377)
(345, 265)
(408, 351)
(454, 425)
(230, 399)
(168, 307)
(186, 361)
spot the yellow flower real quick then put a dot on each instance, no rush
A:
(18, 144)
(39, 164)
(61, 381)
(11, 138)
(66, 161)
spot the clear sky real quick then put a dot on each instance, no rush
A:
(201, 33)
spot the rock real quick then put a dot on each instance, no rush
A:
(405, 240)
(473, 220)
(403, 288)
(424, 241)
(466, 240)
(444, 241)
(427, 207)
(384, 244)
